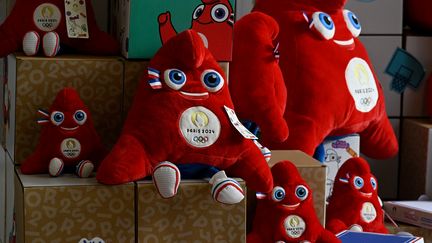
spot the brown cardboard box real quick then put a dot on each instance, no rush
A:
(191, 216)
(312, 171)
(414, 230)
(67, 209)
(416, 159)
(134, 70)
(412, 212)
(33, 83)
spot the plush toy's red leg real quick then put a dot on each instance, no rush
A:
(327, 237)
(336, 226)
(127, 161)
(378, 140)
(35, 163)
(254, 237)
(253, 168)
(166, 28)
(258, 76)
(305, 134)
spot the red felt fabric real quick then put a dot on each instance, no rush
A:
(417, 14)
(152, 133)
(268, 225)
(20, 21)
(346, 202)
(320, 101)
(256, 81)
(68, 102)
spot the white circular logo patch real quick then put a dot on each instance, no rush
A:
(47, 17)
(368, 212)
(199, 126)
(361, 84)
(295, 226)
(70, 148)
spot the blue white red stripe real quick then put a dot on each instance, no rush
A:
(42, 121)
(43, 112)
(153, 78)
(260, 195)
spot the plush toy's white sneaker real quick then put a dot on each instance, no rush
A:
(84, 168)
(356, 228)
(55, 167)
(166, 177)
(226, 190)
(31, 43)
(51, 44)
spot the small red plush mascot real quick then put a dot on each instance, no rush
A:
(68, 140)
(181, 115)
(287, 213)
(355, 204)
(211, 19)
(46, 23)
(331, 87)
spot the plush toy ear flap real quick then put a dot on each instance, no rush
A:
(260, 195)
(45, 118)
(153, 78)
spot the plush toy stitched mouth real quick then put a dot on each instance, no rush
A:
(291, 206)
(194, 96)
(366, 194)
(69, 128)
(346, 43)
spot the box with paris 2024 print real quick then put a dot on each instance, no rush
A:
(143, 26)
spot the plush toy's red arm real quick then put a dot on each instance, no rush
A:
(253, 168)
(127, 161)
(327, 237)
(379, 140)
(166, 28)
(256, 82)
(336, 226)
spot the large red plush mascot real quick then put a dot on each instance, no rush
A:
(287, 213)
(211, 19)
(331, 87)
(181, 115)
(43, 23)
(354, 203)
(68, 140)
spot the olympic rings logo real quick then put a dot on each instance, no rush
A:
(366, 101)
(200, 139)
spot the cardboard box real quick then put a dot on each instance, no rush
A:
(378, 17)
(414, 99)
(191, 216)
(134, 70)
(33, 83)
(418, 213)
(415, 177)
(68, 209)
(360, 237)
(380, 50)
(138, 27)
(312, 171)
(414, 230)
(336, 151)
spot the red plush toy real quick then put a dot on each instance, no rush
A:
(354, 203)
(34, 23)
(179, 117)
(211, 19)
(68, 140)
(287, 214)
(257, 81)
(417, 14)
(332, 89)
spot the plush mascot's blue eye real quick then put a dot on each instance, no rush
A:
(352, 22)
(174, 78)
(278, 194)
(80, 117)
(302, 192)
(358, 182)
(324, 24)
(57, 117)
(212, 80)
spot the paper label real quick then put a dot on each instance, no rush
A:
(238, 125)
(70, 148)
(47, 17)
(76, 19)
(368, 212)
(361, 84)
(295, 226)
(199, 126)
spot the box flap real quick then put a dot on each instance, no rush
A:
(44, 180)
(297, 157)
(424, 206)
